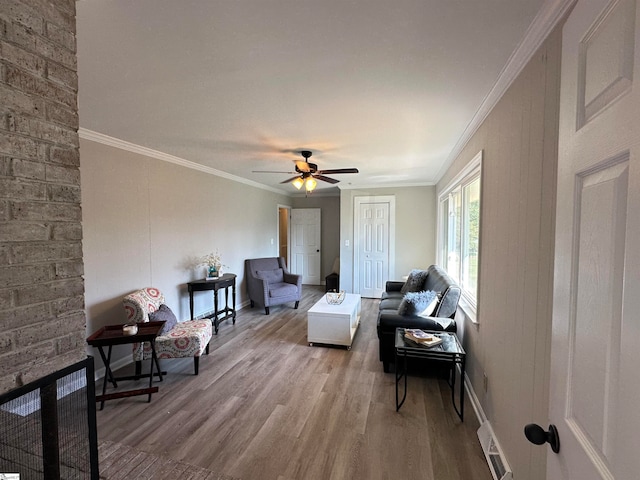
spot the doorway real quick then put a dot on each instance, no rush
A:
(305, 248)
(284, 233)
(374, 244)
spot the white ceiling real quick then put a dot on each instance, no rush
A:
(386, 86)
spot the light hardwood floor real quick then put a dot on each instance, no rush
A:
(268, 406)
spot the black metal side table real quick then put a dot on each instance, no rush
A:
(226, 281)
(449, 351)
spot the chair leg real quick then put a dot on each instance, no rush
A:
(296, 306)
(196, 363)
(138, 368)
(207, 349)
(251, 304)
(266, 309)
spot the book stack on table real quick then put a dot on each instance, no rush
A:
(422, 338)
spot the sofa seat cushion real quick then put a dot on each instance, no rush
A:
(186, 339)
(282, 289)
(392, 295)
(391, 303)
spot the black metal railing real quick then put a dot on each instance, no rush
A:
(48, 427)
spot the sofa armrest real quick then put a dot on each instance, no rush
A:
(393, 286)
(293, 278)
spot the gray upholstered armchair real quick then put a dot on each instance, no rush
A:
(270, 283)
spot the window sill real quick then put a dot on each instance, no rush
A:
(469, 310)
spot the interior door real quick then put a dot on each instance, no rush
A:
(595, 364)
(373, 250)
(305, 244)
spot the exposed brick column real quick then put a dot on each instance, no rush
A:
(42, 319)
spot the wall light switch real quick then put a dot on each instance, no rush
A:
(346, 243)
(272, 241)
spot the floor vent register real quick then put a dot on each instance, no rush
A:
(493, 453)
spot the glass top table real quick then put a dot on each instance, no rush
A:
(450, 350)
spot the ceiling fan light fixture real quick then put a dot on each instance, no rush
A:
(298, 182)
(310, 184)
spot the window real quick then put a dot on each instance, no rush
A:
(459, 231)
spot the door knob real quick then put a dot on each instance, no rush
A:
(536, 434)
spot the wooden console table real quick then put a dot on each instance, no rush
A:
(225, 281)
(111, 335)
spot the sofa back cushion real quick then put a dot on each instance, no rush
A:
(271, 276)
(140, 303)
(415, 281)
(268, 263)
(438, 280)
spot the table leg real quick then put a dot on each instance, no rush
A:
(459, 411)
(462, 367)
(226, 300)
(215, 310)
(191, 302)
(399, 375)
(154, 360)
(108, 376)
(233, 300)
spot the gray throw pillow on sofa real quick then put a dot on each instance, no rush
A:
(164, 313)
(414, 281)
(271, 276)
(414, 303)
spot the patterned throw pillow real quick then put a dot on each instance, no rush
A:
(414, 303)
(414, 281)
(164, 313)
(432, 307)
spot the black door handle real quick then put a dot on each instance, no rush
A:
(536, 434)
(318, 250)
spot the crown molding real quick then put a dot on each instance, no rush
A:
(386, 185)
(551, 13)
(165, 157)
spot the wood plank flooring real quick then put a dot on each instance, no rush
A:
(268, 406)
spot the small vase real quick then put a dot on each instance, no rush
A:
(212, 271)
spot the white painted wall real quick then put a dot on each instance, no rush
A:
(511, 344)
(145, 221)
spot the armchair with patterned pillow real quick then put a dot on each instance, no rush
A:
(270, 283)
(177, 339)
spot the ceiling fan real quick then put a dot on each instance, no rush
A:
(307, 173)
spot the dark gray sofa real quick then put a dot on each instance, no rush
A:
(436, 280)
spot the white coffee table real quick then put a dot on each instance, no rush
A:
(334, 324)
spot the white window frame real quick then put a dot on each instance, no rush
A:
(468, 302)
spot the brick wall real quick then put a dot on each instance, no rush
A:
(42, 320)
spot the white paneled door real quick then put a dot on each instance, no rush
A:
(374, 238)
(305, 244)
(595, 364)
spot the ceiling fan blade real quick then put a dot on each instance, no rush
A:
(290, 179)
(339, 170)
(303, 166)
(270, 171)
(325, 179)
